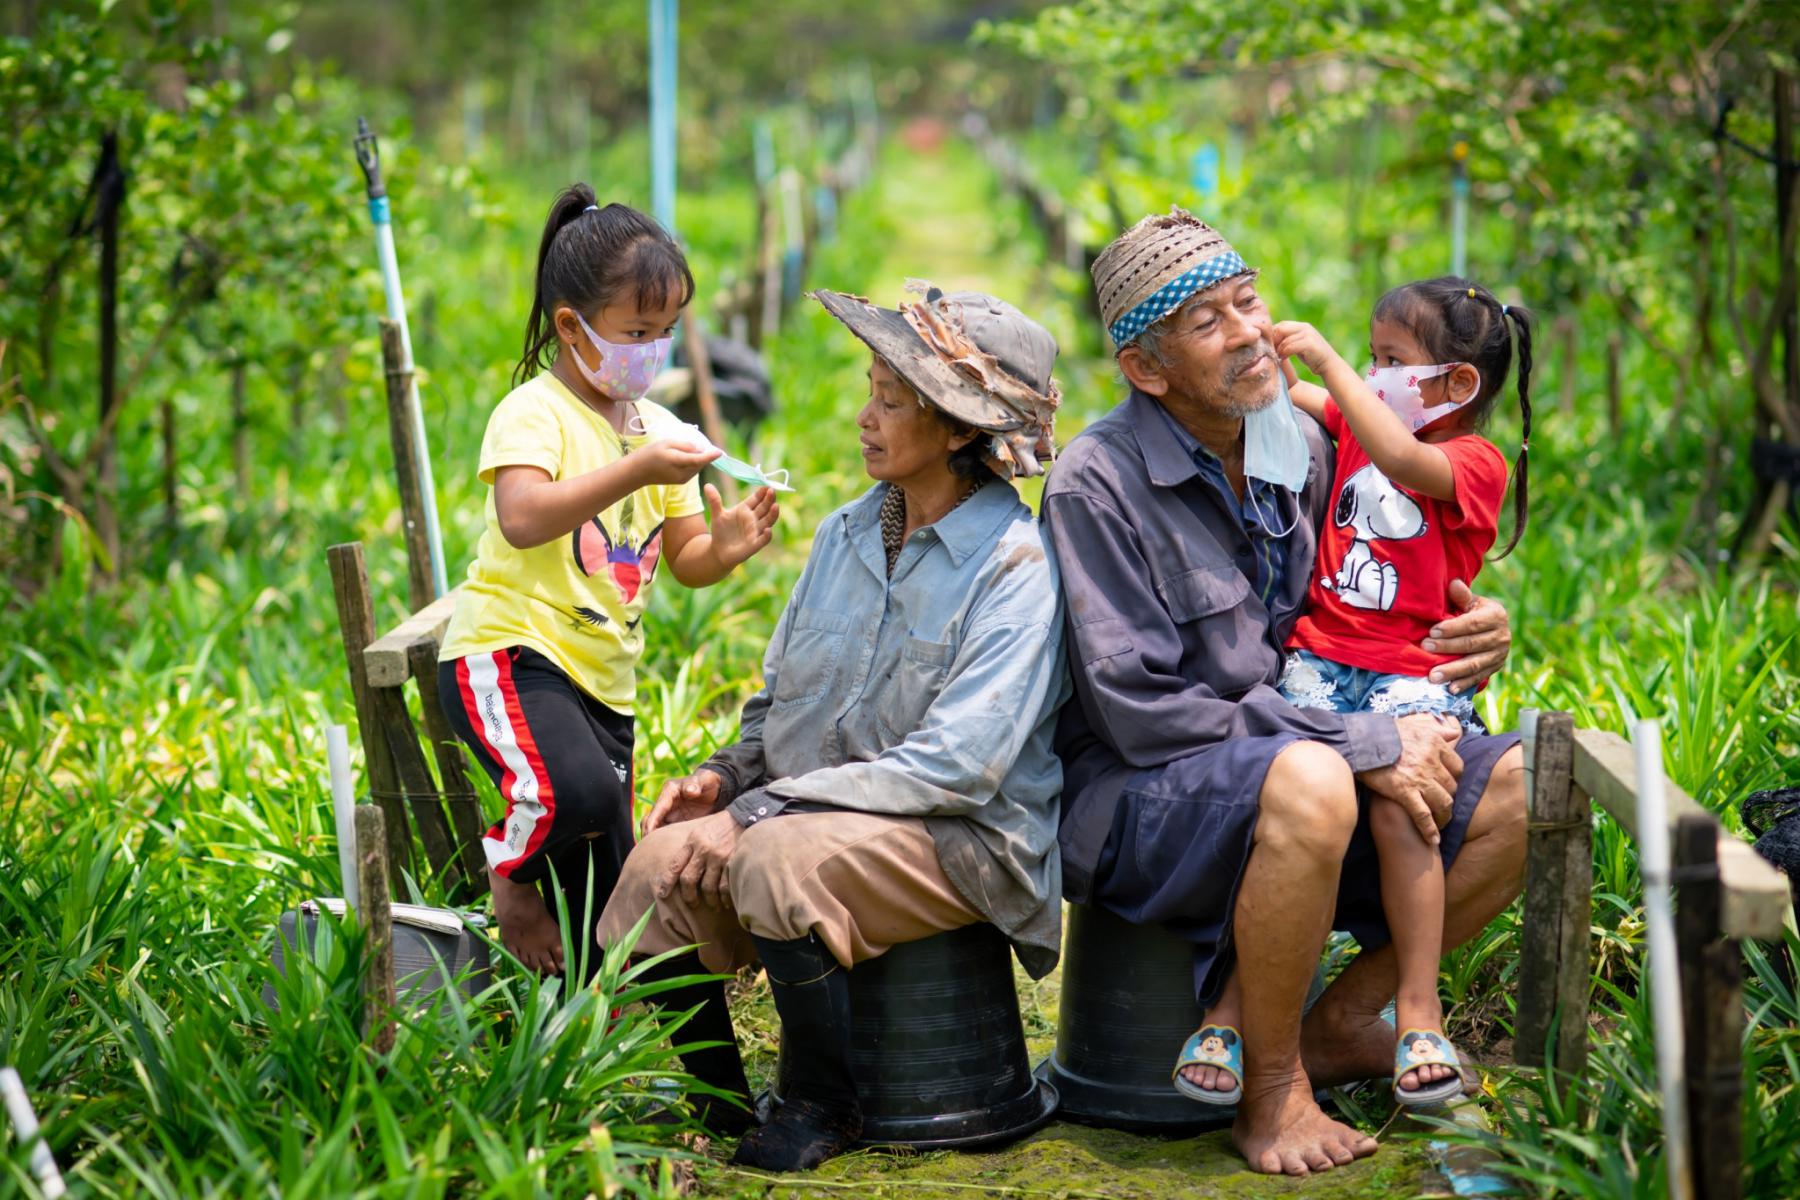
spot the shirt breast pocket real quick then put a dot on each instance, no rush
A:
(1205, 592)
(918, 679)
(815, 643)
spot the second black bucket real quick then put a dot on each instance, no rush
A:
(1127, 1006)
(938, 1048)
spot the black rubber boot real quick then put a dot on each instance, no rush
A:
(820, 1117)
(721, 1066)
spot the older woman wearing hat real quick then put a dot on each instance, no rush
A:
(1195, 795)
(895, 777)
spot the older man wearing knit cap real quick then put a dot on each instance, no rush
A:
(1195, 795)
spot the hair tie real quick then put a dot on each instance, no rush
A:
(1471, 293)
(591, 208)
(1524, 445)
(1506, 310)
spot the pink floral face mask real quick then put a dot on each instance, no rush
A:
(1398, 388)
(625, 371)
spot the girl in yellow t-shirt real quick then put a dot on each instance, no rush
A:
(588, 495)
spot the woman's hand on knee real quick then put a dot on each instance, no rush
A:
(685, 799)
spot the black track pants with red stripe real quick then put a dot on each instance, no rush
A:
(562, 762)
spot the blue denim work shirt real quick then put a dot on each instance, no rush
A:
(932, 694)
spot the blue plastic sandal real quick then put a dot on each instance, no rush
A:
(1217, 1046)
(1423, 1047)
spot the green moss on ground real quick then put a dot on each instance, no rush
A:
(1073, 1161)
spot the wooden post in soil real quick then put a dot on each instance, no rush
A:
(377, 920)
(356, 623)
(1712, 983)
(109, 185)
(711, 422)
(240, 428)
(1559, 881)
(466, 824)
(406, 466)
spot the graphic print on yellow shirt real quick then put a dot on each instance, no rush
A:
(578, 599)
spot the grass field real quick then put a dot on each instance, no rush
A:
(162, 794)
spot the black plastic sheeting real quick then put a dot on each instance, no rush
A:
(1774, 818)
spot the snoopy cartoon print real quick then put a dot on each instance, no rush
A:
(1378, 512)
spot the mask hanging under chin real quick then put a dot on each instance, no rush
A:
(1274, 448)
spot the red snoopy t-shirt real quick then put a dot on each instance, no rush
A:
(1387, 555)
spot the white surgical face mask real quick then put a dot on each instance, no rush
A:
(1274, 448)
(695, 437)
(1398, 388)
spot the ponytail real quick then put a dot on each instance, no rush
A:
(587, 257)
(1521, 319)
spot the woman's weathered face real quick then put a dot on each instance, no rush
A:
(902, 438)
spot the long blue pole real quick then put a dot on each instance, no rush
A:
(664, 23)
(369, 158)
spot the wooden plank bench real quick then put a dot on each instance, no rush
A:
(1726, 893)
(444, 811)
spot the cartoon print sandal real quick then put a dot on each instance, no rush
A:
(1218, 1046)
(1420, 1047)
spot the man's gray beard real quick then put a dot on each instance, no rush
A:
(1236, 409)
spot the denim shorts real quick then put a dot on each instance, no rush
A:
(1309, 681)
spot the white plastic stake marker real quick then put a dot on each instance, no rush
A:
(343, 809)
(1663, 967)
(1528, 722)
(25, 1126)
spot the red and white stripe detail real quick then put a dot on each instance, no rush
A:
(492, 703)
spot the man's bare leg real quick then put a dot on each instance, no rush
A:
(1284, 906)
(1344, 1037)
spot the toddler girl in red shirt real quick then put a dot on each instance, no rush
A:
(1415, 504)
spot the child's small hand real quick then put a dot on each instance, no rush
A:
(671, 461)
(1297, 339)
(740, 531)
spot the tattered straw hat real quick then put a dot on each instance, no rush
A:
(1151, 269)
(975, 357)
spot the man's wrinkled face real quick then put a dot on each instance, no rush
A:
(1218, 351)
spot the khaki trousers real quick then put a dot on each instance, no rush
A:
(863, 883)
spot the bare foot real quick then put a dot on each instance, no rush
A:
(527, 929)
(1280, 1130)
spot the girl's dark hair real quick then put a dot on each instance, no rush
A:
(1456, 320)
(588, 257)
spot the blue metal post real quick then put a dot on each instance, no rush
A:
(1459, 210)
(663, 26)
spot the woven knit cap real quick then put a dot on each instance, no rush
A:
(1152, 268)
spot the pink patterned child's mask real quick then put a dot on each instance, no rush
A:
(625, 371)
(1398, 388)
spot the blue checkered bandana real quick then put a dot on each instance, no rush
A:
(1170, 296)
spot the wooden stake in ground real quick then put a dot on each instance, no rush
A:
(711, 422)
(1559, 879)
(399, 372)
(356, 622)
(377, 920)
(1712, 984)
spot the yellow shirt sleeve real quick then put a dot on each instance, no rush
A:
(523, 432)
(683, 499)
